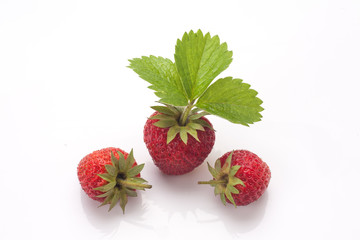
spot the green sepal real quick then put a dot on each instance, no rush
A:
(106, 187)
(165, 123)
(163, 117)
(199, 115)
(106, 194)
(111, 170)
(222, 197)
(218, 165)
(114, 161)
(129, 161)
(121, 180)
(203, 123)
(131, 193)
(229, 196)
(107, 177)
(224, 179)
(115, 198)
(169, 118)
(183, 134)
(196, 126)
(173, 131)
(192, 132)
(123, 200)
(213, 171)
(219, 188)
(107, 199)
(121, 161)
(233, 170)
(135, 170)
(168, 110)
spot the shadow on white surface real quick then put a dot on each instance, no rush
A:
(243, 218)
(182, 198)
(109, 223)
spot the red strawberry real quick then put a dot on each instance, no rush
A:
(109, 175)
(240, 177)
(177, 149)
(189, 89)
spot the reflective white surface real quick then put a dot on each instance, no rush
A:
(65, 91)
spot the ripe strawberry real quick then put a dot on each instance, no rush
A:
(174, 153)
(240, 177)
(109, 175)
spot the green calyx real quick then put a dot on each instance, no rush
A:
(224, 179)
(122, 180)
(180, 120)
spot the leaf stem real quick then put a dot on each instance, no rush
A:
(185, 114)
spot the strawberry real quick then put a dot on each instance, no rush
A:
(110, 175)
(240, 177)
(182, 137)
(175, 155)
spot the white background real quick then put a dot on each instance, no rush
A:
(65, 91)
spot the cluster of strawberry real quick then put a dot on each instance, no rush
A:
(178, 135)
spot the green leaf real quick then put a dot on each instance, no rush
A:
(161, 73)
(199, 59)
(233, 100)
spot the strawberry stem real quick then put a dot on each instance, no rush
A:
(185, 114)
(132, 184)
(212, 182)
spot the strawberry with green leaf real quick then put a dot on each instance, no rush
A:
(177, 135)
